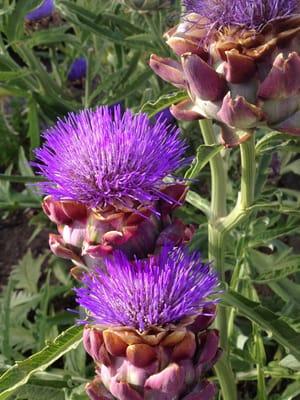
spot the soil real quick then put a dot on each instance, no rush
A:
(15, 232)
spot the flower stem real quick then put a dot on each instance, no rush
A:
(216, 252)
(248, 172)
(218, 173)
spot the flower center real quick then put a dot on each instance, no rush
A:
(252, 14)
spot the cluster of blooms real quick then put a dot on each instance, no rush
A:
(145, 294)
(109, 187)
(239, 62)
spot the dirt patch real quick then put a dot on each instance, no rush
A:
(15, 232)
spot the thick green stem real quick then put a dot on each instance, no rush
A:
(248, 172)
(218, 174)
(246, 196)
(216, 252)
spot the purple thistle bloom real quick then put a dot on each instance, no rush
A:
(246, 13)
(78, 69)
(160, 290)
(43, 11)
(106, 156)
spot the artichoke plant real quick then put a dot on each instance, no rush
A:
(87, 235)
(105, 184)
(239, 63)
(147, 327)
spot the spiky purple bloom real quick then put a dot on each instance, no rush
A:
(78, 69)
(105, 156)
(157, 291)
(43, 11)
(246, 13)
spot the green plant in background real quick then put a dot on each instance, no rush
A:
(253, 227)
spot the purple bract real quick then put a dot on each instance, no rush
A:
(106, 157)
(78, 69)
(43, 11)
(160, 290)
(247, 13)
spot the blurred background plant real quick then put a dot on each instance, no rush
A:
(86, 53)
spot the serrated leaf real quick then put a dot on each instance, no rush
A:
(264, 144)
(38, 392)
(204, 154)
(263, 238)
(272, 323)
(154, 107)
(273, 267)
(20, 373)
(75, 361)
(27, 272)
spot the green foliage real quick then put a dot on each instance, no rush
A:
(20, 373)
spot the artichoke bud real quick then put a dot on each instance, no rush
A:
(148, 326)
(150, 365)
(242, 77)
(87, 235)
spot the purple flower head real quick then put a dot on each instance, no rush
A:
(246, 13)
(44, 10)
(106, 156)
(160, 290)
(78, 69)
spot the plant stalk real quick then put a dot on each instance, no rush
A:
(248, 172)
(216, 253)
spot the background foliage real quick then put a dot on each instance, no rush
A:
(263, 260)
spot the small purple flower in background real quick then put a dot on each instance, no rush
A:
(149, 331)
(248, 13)
(45, 10)
(78, 70)
(102, 157)
(166, 116)
(157, 291)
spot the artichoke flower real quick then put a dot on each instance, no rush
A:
(239, 62)
(105, 183)
(147, 327)
(147, 5)
(86, 235)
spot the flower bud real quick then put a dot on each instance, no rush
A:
(240, 65)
